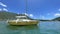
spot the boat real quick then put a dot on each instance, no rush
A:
(23, 20)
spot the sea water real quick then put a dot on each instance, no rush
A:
(47, 27)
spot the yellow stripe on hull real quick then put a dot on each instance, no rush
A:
(23, 22)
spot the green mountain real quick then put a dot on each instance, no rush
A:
(10, 15)
(7, 15)
(56, 19)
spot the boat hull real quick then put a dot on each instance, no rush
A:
(23, 22)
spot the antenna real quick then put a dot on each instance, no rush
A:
(26, 7)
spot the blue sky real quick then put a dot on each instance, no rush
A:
(41, 9)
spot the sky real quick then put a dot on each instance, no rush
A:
(40, 9)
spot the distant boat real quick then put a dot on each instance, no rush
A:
(23, 20)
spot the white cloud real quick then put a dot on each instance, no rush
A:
(3, 4)
(18, 13)
(31, 15)
(48, 14)
(42, 17)
(59, 9)
(5, 9)
(25, 13)
(57, 14)
(0, 9)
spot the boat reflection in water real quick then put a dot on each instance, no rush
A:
(24, 29)
(30, 27)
